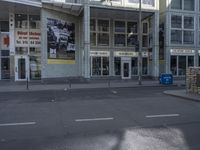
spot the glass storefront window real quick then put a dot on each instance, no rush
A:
(176, 4)
(117, 65)
(120, 40)
(182, 65)
(21, 21)
(134, 66)
(176, 36)
(188, 37)
(5, 64)
(120, 26)
(96, 66)
(105, 66)
(173, 65)
(176, 21)
(34, 21)
(190, 61)
(188, 22)
(103, 39)
(100, 66)
(189, 5)
(144, 66)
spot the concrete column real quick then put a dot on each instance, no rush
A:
(167, 35)
(12, 43)
(86, 39)
(155, 51)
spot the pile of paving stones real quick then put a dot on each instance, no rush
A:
(193, 80)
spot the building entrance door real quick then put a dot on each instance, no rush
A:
(21, 68)
(126, 69)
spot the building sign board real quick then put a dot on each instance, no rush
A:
(27, 38)
(182, 52)
(100, 53)
(5, 40)
(125, 54)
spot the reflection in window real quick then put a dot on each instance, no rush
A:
(176, 21)
(34, 21)
(103, 39)
(120, 26)
(103, 25)
(173, 65)
(189, 5)
(92, 25)
(96, 66)
(176, 36)
(144, 66)
(120, 40)
(132, 27)
(21, 21)
(117, 64)
(182, 65)
(132, 39)
(188, 37)
(134, 66)
(93, 39)
(188, 22)
(176, 4)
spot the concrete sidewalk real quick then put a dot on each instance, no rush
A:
(183, 94)
(19, 87)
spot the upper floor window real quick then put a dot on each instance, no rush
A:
(176, 21)
(34, 21)
(188, 22)
(147, 2)
(189, 5)
(183, 4)
(21, 21)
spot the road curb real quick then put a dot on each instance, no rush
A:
(186, 97)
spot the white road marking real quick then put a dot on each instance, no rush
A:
(17, 124)
(114, 92)
(93, 119)
(163, 115)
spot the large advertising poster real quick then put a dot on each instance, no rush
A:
(61, 41)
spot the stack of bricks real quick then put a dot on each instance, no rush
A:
(193, 80)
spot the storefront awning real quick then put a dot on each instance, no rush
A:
(35, 3)
(70, 7)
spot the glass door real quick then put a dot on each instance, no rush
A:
(126, 71)
(21, 68)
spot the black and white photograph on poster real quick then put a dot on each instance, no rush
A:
(61, 41)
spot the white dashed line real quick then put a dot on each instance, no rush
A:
(17, 124)
(93, 119)
(163, 115)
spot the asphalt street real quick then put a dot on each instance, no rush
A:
(141, 118)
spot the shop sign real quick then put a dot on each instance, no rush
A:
(26, 38)
(182, 52)
(125, 54)
(5, 41)
(100, 53)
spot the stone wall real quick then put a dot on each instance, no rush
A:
(193, 80)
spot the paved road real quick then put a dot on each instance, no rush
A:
(98, 119)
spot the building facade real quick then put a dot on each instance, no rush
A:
(77, 38)
(179, 35)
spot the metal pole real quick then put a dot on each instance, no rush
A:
(140, 44)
